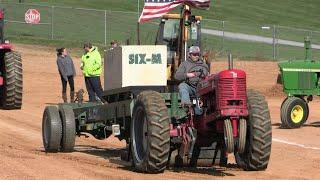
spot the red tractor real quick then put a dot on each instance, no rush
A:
(225, 117)
(10, 73)
(233, 119)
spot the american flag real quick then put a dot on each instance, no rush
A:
(156, 8)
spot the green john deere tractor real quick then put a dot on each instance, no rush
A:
(301, 81)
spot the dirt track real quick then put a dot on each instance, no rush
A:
(295, 153)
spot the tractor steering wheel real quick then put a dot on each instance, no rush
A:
(198, 69)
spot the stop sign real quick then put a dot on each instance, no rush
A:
(32, 16)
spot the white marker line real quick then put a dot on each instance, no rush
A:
(295, 144)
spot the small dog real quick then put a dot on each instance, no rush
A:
(79, 96)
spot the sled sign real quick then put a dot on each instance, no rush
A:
(32, 16)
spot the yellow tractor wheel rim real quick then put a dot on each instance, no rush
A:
(297, 113)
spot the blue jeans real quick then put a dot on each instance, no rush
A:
(94, 88)
(185, 92)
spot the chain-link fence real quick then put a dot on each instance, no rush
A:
(254, 41)
(243, 40)
(70, 24)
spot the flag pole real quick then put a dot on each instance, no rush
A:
(138, 33)
(185, 16)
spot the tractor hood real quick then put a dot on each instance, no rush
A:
(300, 66)
(300, 77)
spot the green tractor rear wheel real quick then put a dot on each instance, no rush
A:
(294, 112)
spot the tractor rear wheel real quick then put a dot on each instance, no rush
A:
(51, 129)
(150, 133)
(11, 92)
(68, 128)
(294, 112)
(259, 136)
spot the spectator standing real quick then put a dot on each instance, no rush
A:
(91, 66)
(67, 73)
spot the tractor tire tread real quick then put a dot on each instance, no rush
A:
(12, 90)
(54, 126)
(257, 154)
(285, 107)
(68, 129)
(159, 130)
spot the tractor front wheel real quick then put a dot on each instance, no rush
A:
(150, 133)
(242, 129)
(294, 112)
(259, 136)
(228, 136)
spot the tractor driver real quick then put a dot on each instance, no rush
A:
(190, 72)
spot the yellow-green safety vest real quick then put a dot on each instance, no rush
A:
(91, 63)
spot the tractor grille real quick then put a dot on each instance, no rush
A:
(305, 80)
(232, 92)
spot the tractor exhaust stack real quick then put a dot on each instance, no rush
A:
(230, 61)
(307, 45)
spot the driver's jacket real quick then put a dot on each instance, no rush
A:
(189, 66)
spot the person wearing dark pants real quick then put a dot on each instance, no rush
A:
(94, 88)
(67, 73)
(64, 88)
(91, 66)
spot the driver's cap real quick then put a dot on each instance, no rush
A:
(194, 49)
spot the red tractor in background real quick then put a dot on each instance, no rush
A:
(10, 72)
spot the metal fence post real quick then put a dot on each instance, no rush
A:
(105, 27)
(274, 43)
(222, 35)
(110, 21)
(310, 34)
(52, 14)
(138, 8)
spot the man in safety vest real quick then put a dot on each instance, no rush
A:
(91, 66)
